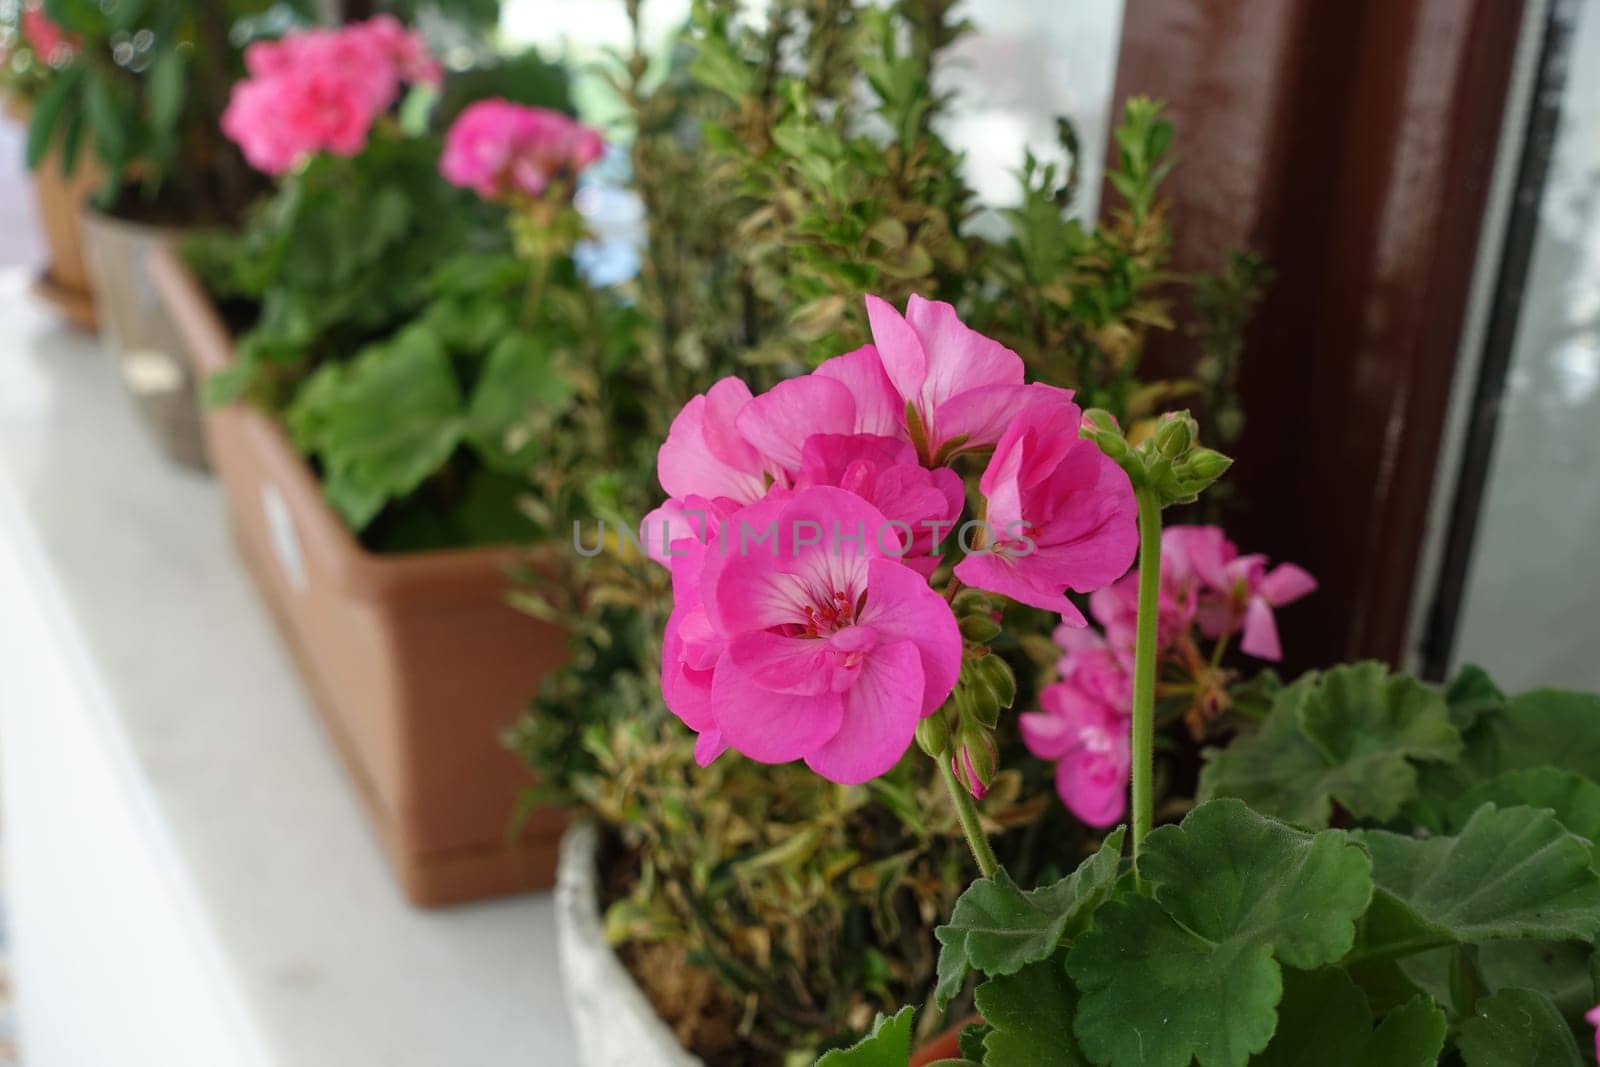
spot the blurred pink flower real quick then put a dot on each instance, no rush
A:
(48, 41)
(1238, 592)
(1092, 665)
(1088, 740)
(498, 149)
(1062, 512)
(830, 649)
(1592, 1016)
(320, 90)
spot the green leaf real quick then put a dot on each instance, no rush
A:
(998, 929)
(889, 1044)
(109, 123)
(381, 424)
(1030, 1018)
(1575, 800)
(1517, 1028)
(1553, 727)
(48, 109)
(516, 401)
(1471, 694)
(1195, 972)
(166, 89)
(1324, 1021)
(1512, 873)
(1559, 970)
(1348, 735)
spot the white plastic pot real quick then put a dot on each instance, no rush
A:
(615, 1024)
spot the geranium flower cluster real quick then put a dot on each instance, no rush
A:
(1207, 590)
(321, 90)
(804, 524)
(501, 150)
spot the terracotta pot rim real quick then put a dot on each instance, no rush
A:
(455, 572)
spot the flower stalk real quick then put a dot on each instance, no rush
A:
(1144, 667)
(967, 813)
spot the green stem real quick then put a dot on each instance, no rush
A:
(1144, 667)
(538, 275)
(967, 812)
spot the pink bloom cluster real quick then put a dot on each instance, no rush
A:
(803, 525)
(1085, 717)
(320, 90)
(498, 149)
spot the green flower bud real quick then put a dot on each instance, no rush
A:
(1204, 466)
(1175, 434)
(998, 678)
(933, 734)
(980, 628)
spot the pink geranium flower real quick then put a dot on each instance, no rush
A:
(1239, 592)
(1089, 742)
(831, 650)
(847, 395)
(963, 387)
(320, 90)
(1089, 663)
(500, 149)
(1061, 512)
(1592, 1016)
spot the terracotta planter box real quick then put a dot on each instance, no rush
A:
(415, 661)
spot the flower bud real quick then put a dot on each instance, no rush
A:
(979, 628)
(997, 677)
(933, 734)
(1204, 466)
(1175, 434)
(974, 760)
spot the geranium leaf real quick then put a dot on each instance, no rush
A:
(1030, 1018)
(1324, 1021)
(1515, 1028)
(998, 929)
(1574, 799)
(1554, 727)
(1194, 973)
(380, 424)
(1349, 735)
(1471, 694)
(1512, 873)
(517, 400)
(1542, 728)
(889, 1044)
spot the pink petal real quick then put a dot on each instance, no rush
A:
(1260, 631)
(959, 358)
(778, 422)
(985, 414)
(995, 573)
(770, 727)
(879, 409)
(1285, 584)
(901, 352)
(792, 665)
(708, 746)
(902, 607)
(881, 712)
(688, 465)
(1090, 791)
(1047, 736)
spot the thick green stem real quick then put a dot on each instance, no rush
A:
(1144, 667)
(967, 812)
